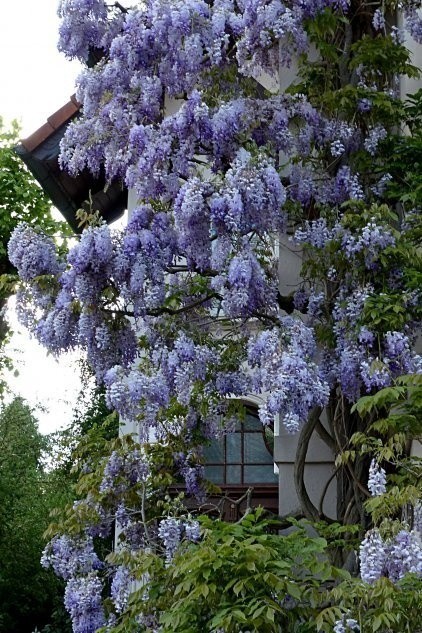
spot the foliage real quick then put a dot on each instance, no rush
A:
(182, 316)
(405, 161)
(21, 198)
(27, 494)
(391, 600)
(383, 606)
(397, 419)
(90, 416)
(238, 575)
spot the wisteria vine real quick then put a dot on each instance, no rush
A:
(181, 313)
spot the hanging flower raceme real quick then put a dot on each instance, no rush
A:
(171, 531)
(121, 586)
(75, 560)
(83, 600)
(70, 556)
(372, 557)
(123, 471)
(84, 26)
(392, 558)
(377, 479)
(285, 368)
(32, 253)
(346, 625)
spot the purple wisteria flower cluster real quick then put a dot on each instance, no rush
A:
(371, 240)
(378, 21)
(70, 557)
(123, 470)
(284, 366)
(368, 361)
(377, 479)
(374, 137)
(346, 625)
(413, 22)
(75, 560)
(83, 601)
(32, 253)
(151, 153)
(363, 359)
(417, 518)
(392, 558)
(85, 25)
(172, 373)
(121, 586)
(171, 531)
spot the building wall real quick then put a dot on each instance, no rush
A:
(410, 86)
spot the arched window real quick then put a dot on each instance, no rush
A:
(244, 457)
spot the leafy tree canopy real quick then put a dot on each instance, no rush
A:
(28, 594)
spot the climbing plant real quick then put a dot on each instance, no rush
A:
(182, 315)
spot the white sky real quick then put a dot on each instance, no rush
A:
(36, 80)
(50, 386)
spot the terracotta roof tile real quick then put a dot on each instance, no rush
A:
(56, 120)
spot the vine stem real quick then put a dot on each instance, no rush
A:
(310, 511)
(324, 491)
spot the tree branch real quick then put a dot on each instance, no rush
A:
(164, 310)
(121, 7)
(266, 317)
(207, 272)
(344, 75)
(194, 304)
(324, 491)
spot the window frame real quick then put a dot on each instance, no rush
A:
(226, 463)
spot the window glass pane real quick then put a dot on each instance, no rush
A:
(252, 422)
(215, 474)
(234, 448)
(214, 453)
(259, 474)
(255, 449)
(233, 475)
(238, 425)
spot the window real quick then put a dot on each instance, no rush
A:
(244, 457)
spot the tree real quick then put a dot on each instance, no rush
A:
(28, 594)
(183, 310)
